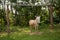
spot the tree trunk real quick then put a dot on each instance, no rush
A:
(51, 16)
(7, 19)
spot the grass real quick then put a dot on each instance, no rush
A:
(21, 34)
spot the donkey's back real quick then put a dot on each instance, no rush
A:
(32, 22)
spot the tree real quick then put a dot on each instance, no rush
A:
(51, 16)
(7, 19)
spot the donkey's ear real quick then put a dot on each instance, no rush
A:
(35, 16)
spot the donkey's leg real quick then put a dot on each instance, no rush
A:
(37, 27)
(31, 28)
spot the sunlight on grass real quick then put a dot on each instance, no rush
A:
(23, 29)
(26, 30)
(3, 34)
(52, 31)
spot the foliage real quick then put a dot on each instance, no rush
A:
(25, 0)
(14, 1)
(56, 11)
(0, 1)
(25, 13)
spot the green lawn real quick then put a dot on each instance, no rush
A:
(24, 34)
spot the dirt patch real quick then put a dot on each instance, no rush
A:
(35, 33)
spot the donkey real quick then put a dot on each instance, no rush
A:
(34, 23)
